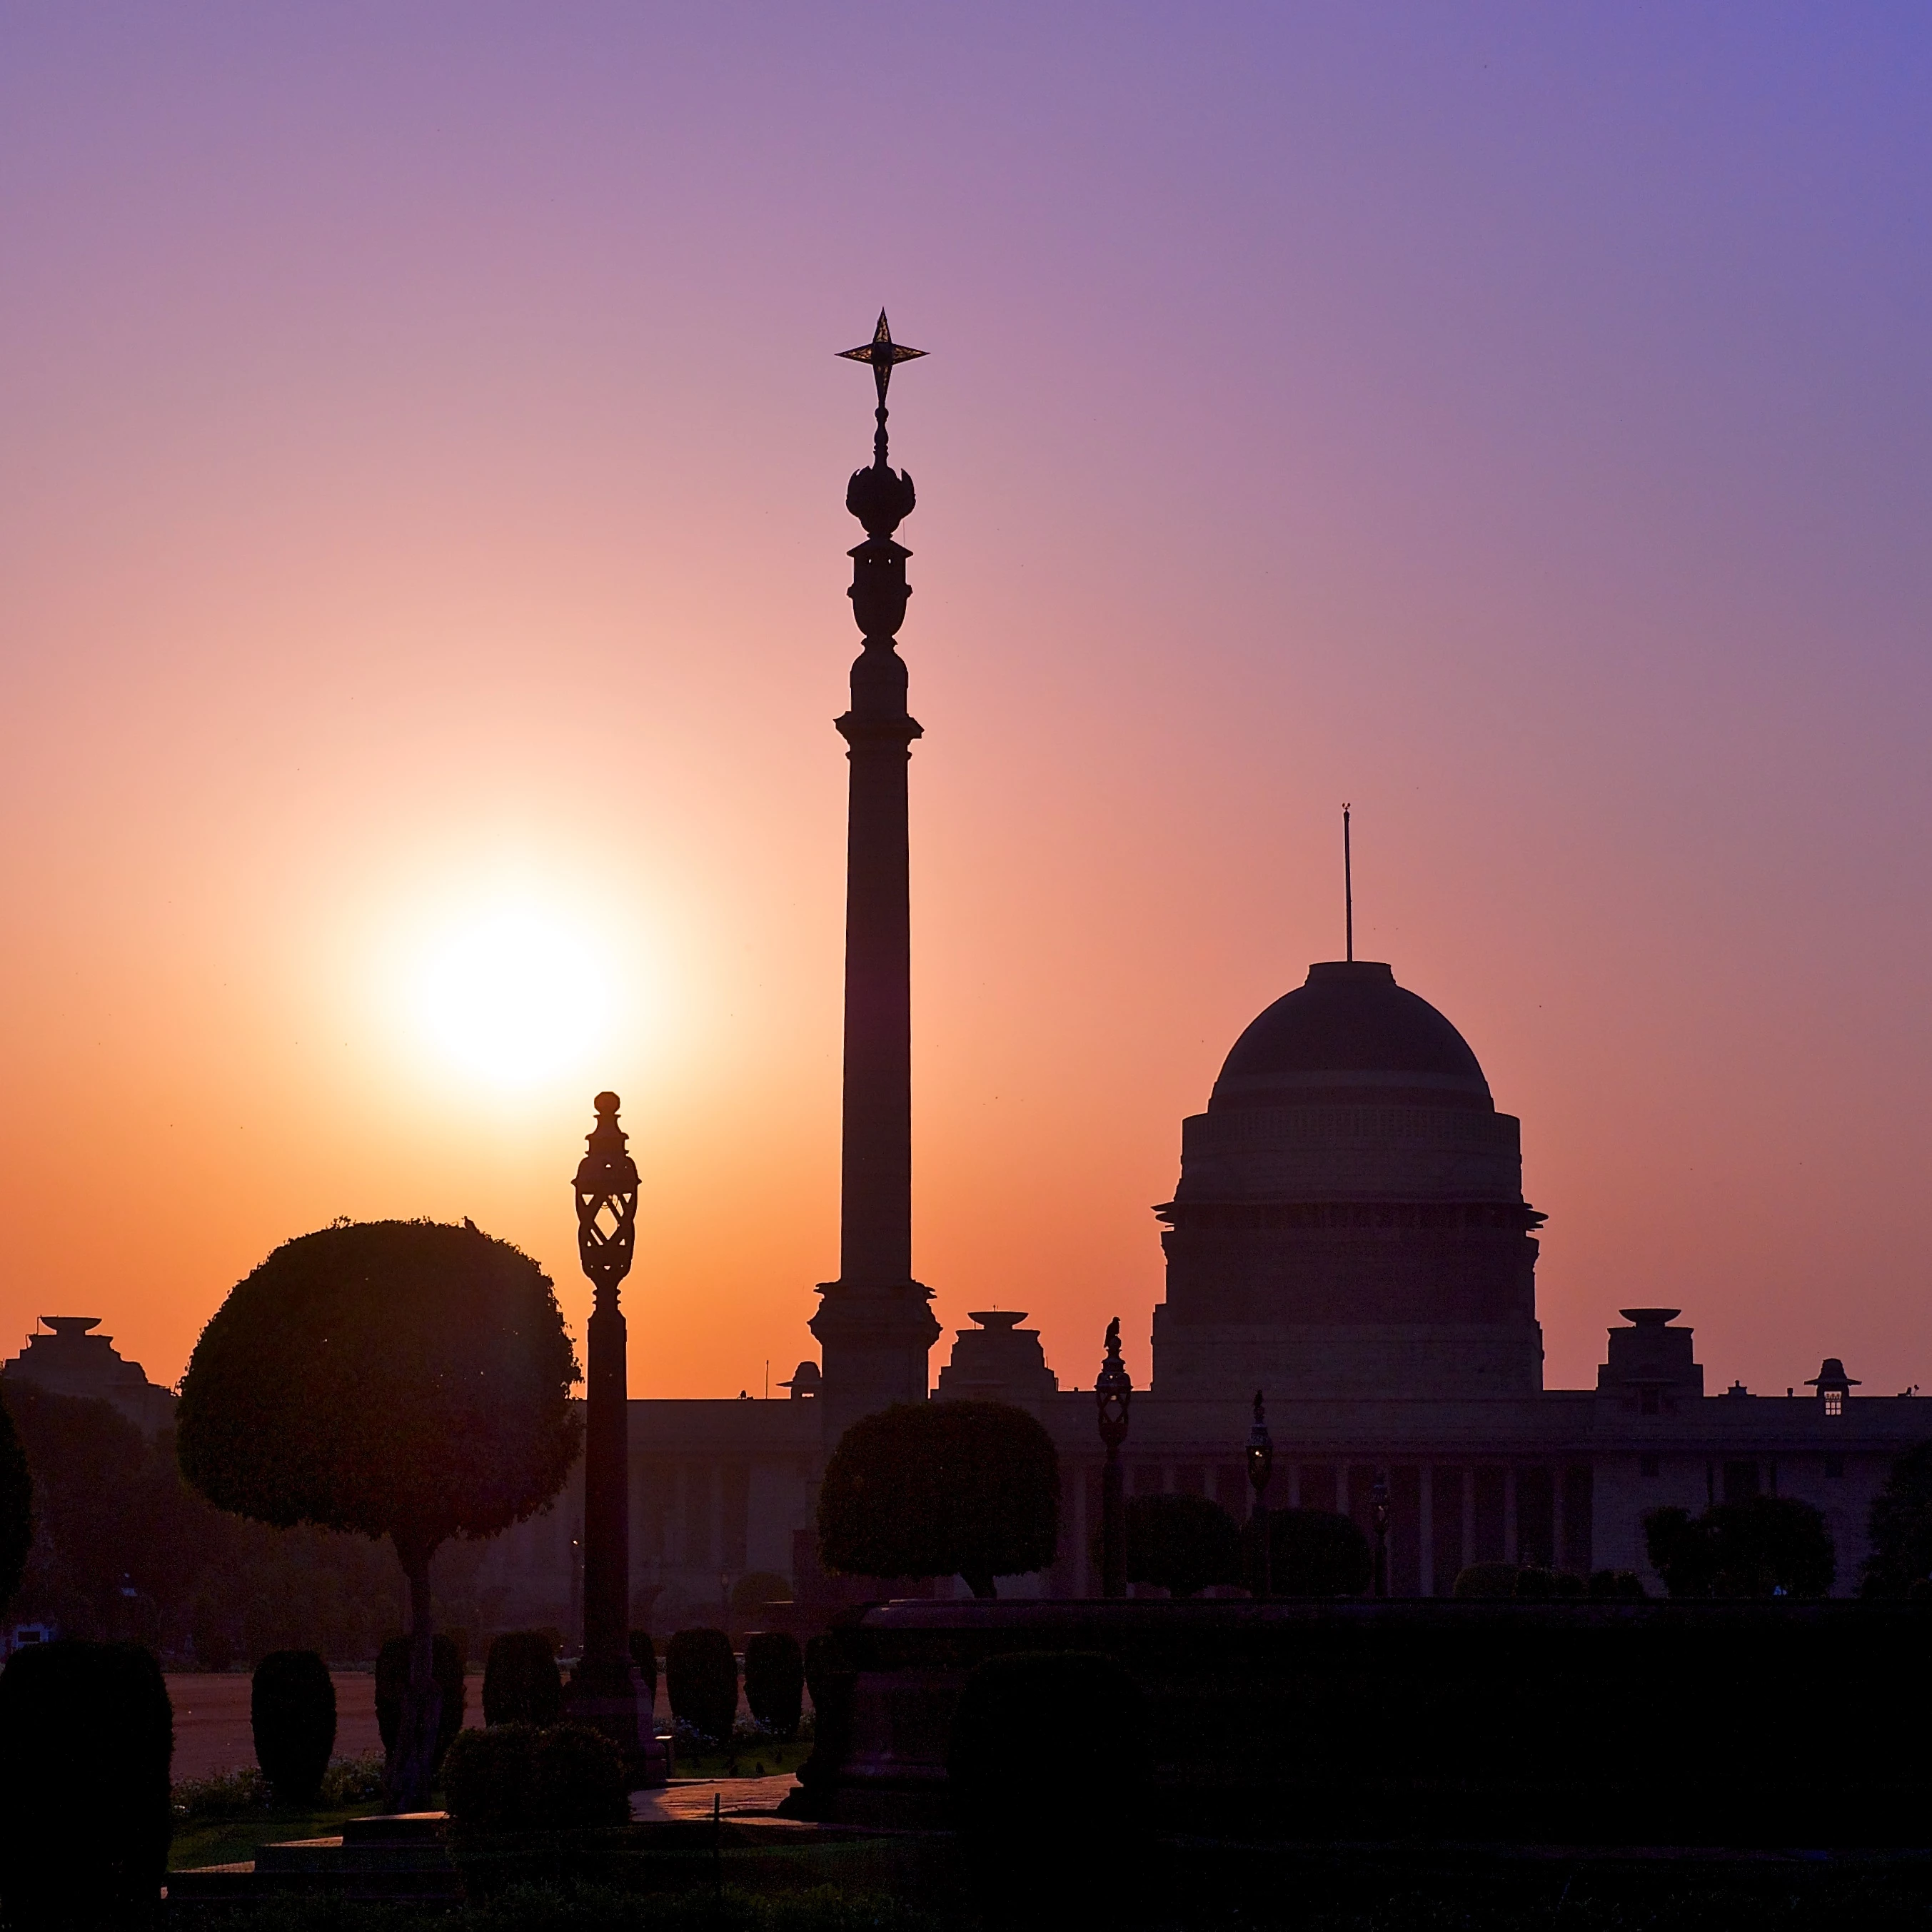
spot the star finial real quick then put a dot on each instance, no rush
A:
(883, 352)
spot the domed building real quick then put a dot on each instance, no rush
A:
(1350, 1218)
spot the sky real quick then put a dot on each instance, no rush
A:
(421, 618)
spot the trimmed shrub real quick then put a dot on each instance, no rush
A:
(521, 1683)
(577, 1780)
(701, 1674)
(1900, 1528)
(392, 1680)
(86, 1733)
(774, 1680)
(1049, 1818)
(644, 1655)
(517, 1777)
(486, 1777)
(1315, 1552)
(1182, 1544)
(1616, 1583)
(1534, 1584)
(1485, 1580)
(936, 1489)
(1769, 1546)
(291, 1711)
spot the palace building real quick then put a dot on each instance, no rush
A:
(1347, 1232)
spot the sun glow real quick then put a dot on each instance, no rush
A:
(515, 996)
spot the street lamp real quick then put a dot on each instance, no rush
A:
(606, 1689)
(1261, 1467)
(1113, 1395)
(1378, 1515)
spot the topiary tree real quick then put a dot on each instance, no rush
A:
(1485, 1582)
(1901, 1528)
(701, 1674)
(1768, 1545)
(521, 1683)
(940, 1488)
(774, 1680)
(16, 1509)
(1315, 1552)
(86, 1733)
(1181, 1544)
(291, 1712)
(399, 1378)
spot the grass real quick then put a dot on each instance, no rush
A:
(766, 1757)
(227, 1841)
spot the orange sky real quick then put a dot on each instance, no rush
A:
(420, 482)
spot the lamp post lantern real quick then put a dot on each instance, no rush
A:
(1378, 1515)
(1113, 1395)
(606, 1689)
(1261, 1467)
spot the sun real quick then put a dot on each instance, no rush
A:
(514, 995)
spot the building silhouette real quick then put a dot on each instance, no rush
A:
(1348, 1231)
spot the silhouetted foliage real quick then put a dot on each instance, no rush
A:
(941, 1488)
(701, 1675)
(1901, 1528)
(774, 1680)
(292, 1711)
(527, 1777)
(644, 1655)
(392, 1689)
(1052, 1818)
(398, 1379)
(1484, 1580)
(1617, 1584)
(1182, 1544)
(1317, 1553)
(521, 1683)
(16, 1509)
(86, 1733)
(1766, 1546)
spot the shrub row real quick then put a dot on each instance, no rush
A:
(535, 1778)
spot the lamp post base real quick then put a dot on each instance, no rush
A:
(616, 1700)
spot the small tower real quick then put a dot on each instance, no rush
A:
(874, 1327)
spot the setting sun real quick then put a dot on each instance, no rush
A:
(513, 995)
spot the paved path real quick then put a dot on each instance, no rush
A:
(212, 1728)
(739, 1797)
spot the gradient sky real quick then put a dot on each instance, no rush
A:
(422, 459)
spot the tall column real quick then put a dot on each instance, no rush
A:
(874, 1327)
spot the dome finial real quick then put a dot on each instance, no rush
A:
(1348, 887)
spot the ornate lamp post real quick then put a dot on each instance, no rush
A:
(1113, 1395)
(606, 1689)
(1378, 1515)
(1261, 1467)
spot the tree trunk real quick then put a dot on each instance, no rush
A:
(980, 1582)
(411, 1769)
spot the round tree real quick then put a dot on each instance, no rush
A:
(1901, 1527)
(1182, 1544)
(398, 1378)
(1314, 1553)
(938, 1488)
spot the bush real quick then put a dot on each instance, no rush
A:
(939, 1489)
(644, 1655)
(701, 1674)
(521, 1683)
(1769, 1546)
(1484, 1580)
(1317, 1553)
(291, 1711)
(1182, 1544)
(86, 1732)
(392, 1680)
(1616, 1584)
(1030, 1816)
(524, 1778)
(774, 1680)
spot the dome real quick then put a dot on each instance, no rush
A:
(1350, 1036)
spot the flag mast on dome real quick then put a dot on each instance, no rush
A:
(1347, 887)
